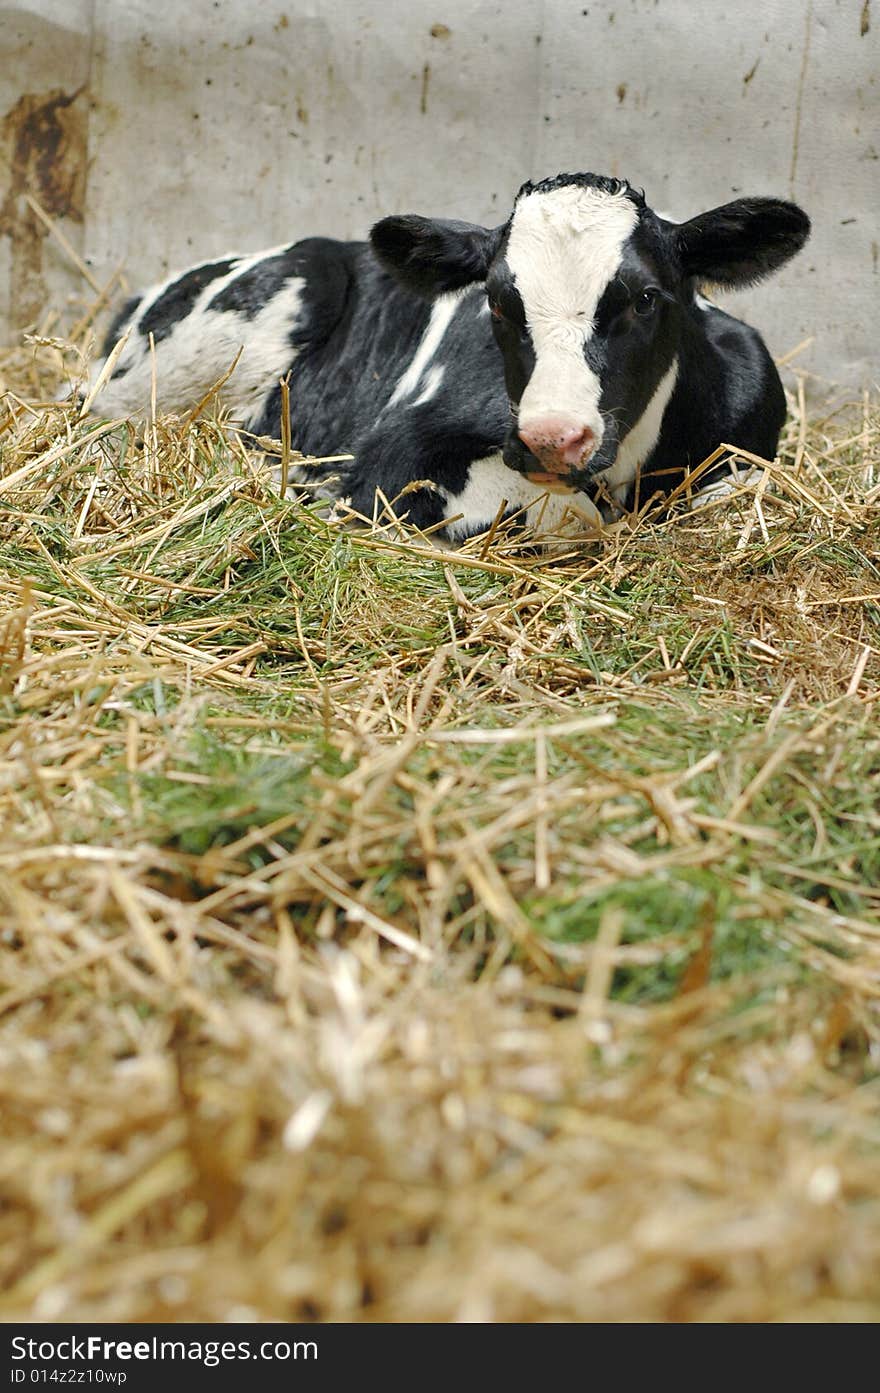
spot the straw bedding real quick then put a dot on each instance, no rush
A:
(398, 934)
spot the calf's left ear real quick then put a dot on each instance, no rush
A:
(741, 242)
(433, 255)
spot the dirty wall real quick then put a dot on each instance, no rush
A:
(153, 132)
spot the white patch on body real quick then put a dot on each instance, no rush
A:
(201, 347)
(433, 379)
(721, 488)
(491, 483)
(565, 247)
(640, 441)
(441, 316)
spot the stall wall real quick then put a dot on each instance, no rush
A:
(153, 132)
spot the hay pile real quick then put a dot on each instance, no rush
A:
(393, 934)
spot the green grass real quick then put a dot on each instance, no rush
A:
(688, 640)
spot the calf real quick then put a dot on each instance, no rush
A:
(547, 368)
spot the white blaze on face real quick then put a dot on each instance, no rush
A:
(564, 249)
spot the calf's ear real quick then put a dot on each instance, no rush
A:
(432, 255)
(741, 242)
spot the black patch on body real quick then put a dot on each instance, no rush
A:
(175, 303)
(249, 292)
(118, 323)
(347, 370)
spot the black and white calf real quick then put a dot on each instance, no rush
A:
(538, 368)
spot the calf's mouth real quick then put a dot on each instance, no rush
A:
(517, 456)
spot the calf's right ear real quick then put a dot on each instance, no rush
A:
(433, 255)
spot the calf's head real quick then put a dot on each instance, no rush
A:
(587, 288)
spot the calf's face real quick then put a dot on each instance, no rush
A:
(586, 287)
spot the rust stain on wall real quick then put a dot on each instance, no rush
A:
(42, 153)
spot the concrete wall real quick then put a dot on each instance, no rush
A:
(158, 132)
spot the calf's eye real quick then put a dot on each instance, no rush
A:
(495, 311)
(646, 300)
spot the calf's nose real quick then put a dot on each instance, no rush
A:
(560, 443)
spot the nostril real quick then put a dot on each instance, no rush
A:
(580, 441)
